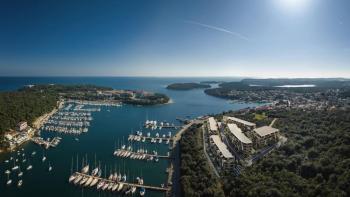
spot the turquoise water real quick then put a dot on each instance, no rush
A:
(109, 126)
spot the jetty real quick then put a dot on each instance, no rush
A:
(126, 184)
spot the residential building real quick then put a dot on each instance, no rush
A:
(245, 125)
(221, 155)
(213, 126)
(265, 135)
(238, 139)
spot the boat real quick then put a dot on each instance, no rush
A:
(19, 184)
(29, 167)
(133, 190)
(72, 177)
(20, 174)
(110, 186)
(83, 180)
(78, 179)
(94, 182)
(94, 172)
(9, 181)
(33, 153)
(142, 191)
(120, 187)
(43, 159)
(7, 172)
(100, 185)
(15, 168)
(85, 169)
(88, 182)
(50, 167)
(6, 161)
(129, 190)
(105, 186)
(115, 187)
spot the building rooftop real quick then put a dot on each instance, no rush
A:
(241, 121)
(265, 130)
(221, 146)
(212, 124)
(236, 131)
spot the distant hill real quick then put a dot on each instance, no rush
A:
(319, 82)
(186, 86)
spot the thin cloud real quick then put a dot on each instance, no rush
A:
(238, 35)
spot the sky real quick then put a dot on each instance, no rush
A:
(247, 38)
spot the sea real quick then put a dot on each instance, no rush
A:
(109, 127)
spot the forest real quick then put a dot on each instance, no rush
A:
(197, 179)
(315, 161)
(24, 106)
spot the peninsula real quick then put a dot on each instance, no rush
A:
(33, 104)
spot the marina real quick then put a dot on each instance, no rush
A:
(106, 127)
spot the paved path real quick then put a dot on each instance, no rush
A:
(206, 154)
(273, 122)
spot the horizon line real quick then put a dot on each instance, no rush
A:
(148, 76)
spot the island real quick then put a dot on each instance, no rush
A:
(187, 86)
(24, 111)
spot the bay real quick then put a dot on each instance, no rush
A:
(109, 126)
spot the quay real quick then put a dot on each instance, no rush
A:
(47, 144)
(173, 168)
(154, 188)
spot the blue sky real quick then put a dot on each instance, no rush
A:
(255, 38)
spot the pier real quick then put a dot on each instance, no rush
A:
(138, 155)
(139, 138)
(47, 144)
(154, 188)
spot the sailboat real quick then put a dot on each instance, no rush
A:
(72, 176)
(142, 191)
(19, 184)
(29, 167)
(15, 167)
(50, 167)
(9, 181)
(44, 158)
(20, 173)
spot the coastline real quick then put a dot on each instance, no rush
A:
(42, 119)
